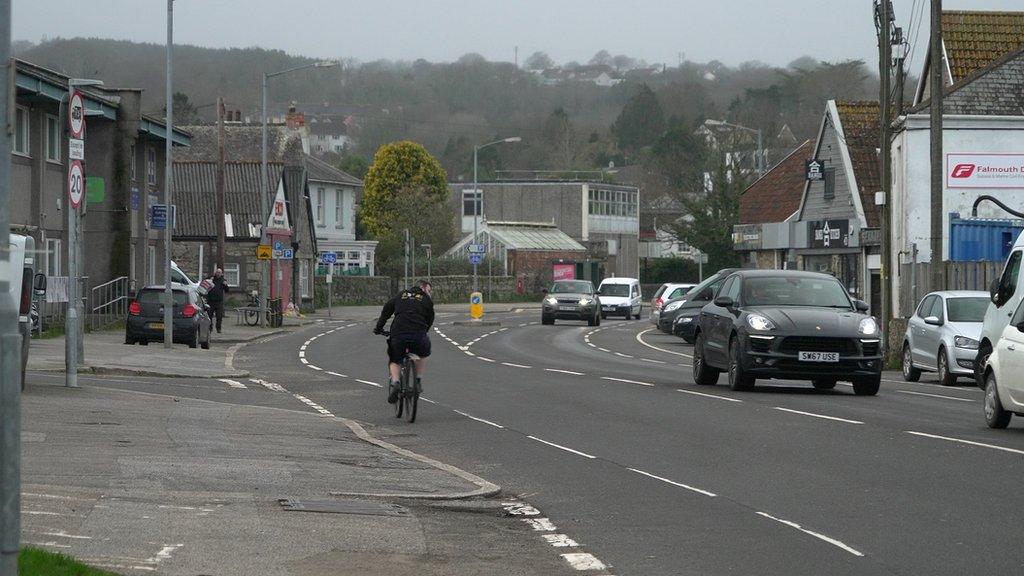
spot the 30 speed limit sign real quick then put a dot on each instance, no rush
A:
(76, 183)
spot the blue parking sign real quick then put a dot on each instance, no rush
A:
(476, 258)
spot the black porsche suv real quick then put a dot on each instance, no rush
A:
(784, 324)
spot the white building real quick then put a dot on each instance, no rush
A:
(333, 196)
(983, 144)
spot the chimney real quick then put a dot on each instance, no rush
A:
(294, 120)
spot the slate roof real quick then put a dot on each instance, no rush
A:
(320, 171)
(996, 90)
(976, 39)
(243, 143)
(860, 123)
(775, 196)
(195, 194)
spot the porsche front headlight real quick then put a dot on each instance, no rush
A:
(760, 323)
(868, 327)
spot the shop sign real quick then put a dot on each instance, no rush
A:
(829, 233)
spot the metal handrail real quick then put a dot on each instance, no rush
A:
(113, 302)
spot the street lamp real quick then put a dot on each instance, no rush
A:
(478, 198)
(760, 148)
(264, 208)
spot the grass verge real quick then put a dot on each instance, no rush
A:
(36, 562)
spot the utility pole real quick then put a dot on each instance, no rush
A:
(168, 170)
(10, 338)
(935, 134)
(221, 232)
(884, 19)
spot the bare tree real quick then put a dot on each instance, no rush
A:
(539, 61)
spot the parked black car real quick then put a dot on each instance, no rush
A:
(571, 300)
(146, 317)
(679, 315)
(788, 325)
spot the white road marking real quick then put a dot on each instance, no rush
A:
(626, 381)
(563, 371)
(541, 524)
(52, 545)
(313, 405)
(314, 367)
(303, 360)
(515, 365)
(55, 496)
(706, 395)
(425, 399)
(674, 483)
(488, 422)
(271, 386)
(969, 442)
(560, 447)
(338, 375)
(639, 338)
(584, 561)
(485, 359)
(813, 415)
(370, 383)
(603, 349)
(302, 353)
(560, 541)
(468, 353)
(520, 509)
(817, 535)
(164, 553)
(936, 396)
(233, 383)
(63, 534)
(303, 347)
(934, 385)
(623, 355)
(653, 361)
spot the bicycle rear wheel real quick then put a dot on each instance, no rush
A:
(252, 317)
(412, 400)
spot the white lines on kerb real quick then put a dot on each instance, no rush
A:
(817, 535)
(674, 483)
(813, 415)
(626, 381)
(968, 442)
(706, 395)
(560, 371)
(937, 396)
(560, 447)
(471, 417)
(232, 383)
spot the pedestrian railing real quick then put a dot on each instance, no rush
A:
(108, 303)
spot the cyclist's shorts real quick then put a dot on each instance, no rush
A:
(418, 344)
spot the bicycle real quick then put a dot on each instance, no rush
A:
(408, 389)
(252, 312)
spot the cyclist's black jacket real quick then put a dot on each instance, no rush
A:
(413, 311)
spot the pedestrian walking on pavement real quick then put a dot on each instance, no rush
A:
(215, 296)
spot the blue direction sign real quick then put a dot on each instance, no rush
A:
(476, 248)
(476, 258)
(158, 217)
(278, 244)
(476, 298)
(329, 257)
(288, 254)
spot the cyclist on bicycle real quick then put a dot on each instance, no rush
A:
(414, 314)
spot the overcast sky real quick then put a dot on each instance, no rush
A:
(732, 31)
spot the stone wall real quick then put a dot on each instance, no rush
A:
(353, 290)
(894, 343)
(364, 290)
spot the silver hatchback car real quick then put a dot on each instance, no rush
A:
(942, 336)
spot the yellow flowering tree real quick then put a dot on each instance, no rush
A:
(399, 168)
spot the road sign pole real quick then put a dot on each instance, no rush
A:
(168, 170)
(75, 185)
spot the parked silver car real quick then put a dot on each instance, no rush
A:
(943, 334)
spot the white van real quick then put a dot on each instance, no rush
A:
(621, 296)
(19, 272)
(1006, 293)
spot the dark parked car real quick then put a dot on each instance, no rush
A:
(679, 315)
(146, 318)
(788, 325)
(571, 300)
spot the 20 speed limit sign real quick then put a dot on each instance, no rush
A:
(76, 183)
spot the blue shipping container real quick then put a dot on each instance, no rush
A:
(977, 239)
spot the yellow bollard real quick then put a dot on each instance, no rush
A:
(476, 305)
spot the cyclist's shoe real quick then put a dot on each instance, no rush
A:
(393, 388)
(419, 385)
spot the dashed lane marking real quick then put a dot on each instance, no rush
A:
(485, 359)
(822, 416)
(817, 535)
(640, 339)
(570, 372)
(471, 417)
(232, 383)
(337, 374)
(652, 361)
(584, 561)
(674, 483)
(541, 524)
(560, 541)
(370, 383)
(706, 395)
(313, 405)
(626, 381)
(425, 399)
(515, 365)
(968, 442)
(560, 447)
(936, 396)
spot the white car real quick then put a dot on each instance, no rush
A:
(1004, 386)
(667, 291)
(1007, 293)
(942, 336)
(621, 296)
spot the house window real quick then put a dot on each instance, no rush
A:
(830, 184)
(133, 162)
(53, 254)
(52, 139)
(472, 204)
(21, 126)
(339, 208)
(233, 274)
(320, 206)
(151, 165)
